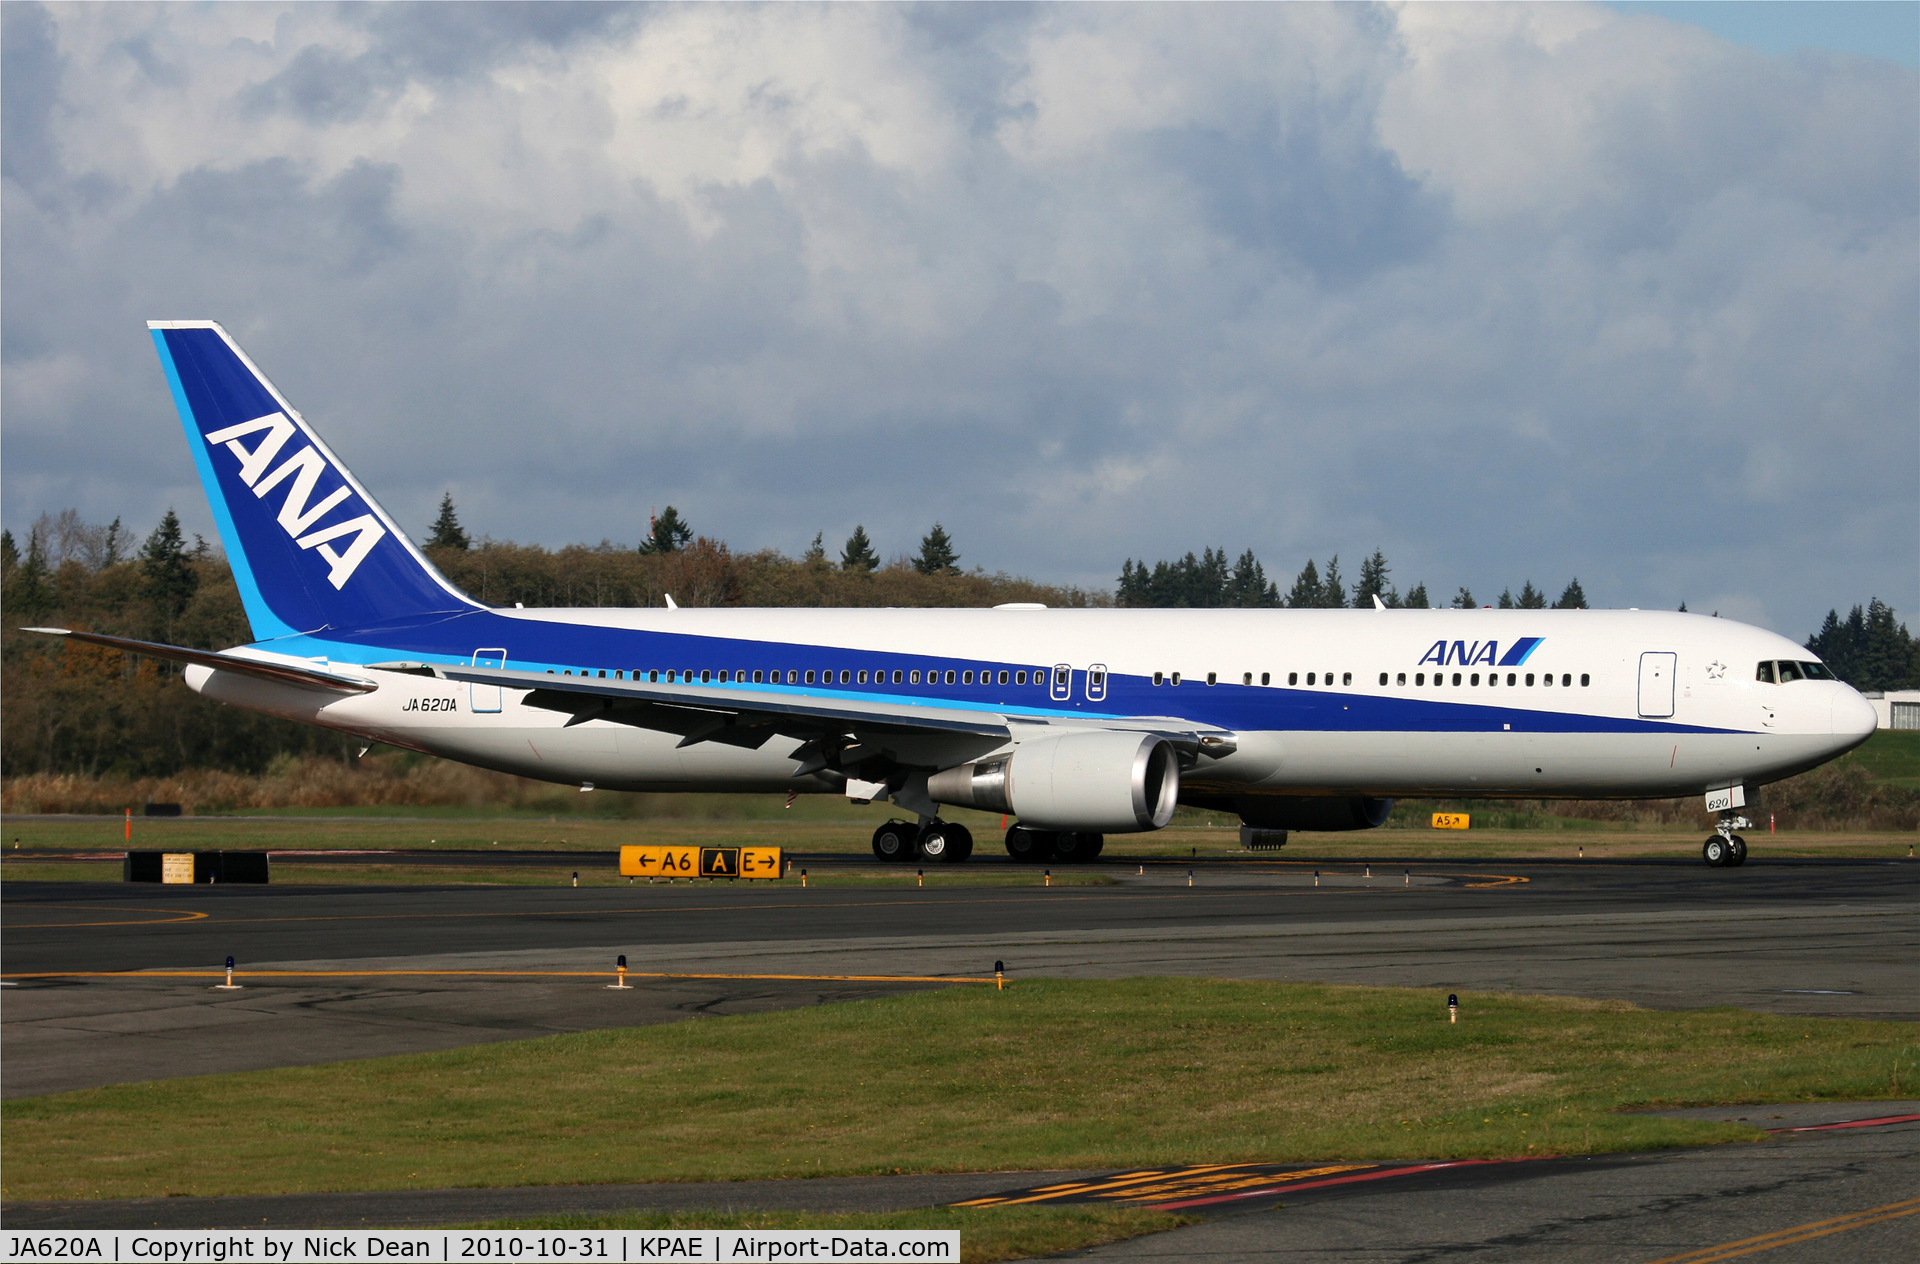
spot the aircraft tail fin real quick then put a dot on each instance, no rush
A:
(310, 548)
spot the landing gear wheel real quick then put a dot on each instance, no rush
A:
(1070, 848)
(1026, 846)
(1716, 851)
(945, 843)
(894, 842)
(1094, 843)
(1739, 856)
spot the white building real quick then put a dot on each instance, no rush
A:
(1897, 709)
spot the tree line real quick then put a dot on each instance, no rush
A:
(74, 709)
(1207, 582)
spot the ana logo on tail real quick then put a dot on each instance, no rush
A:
(301, 472)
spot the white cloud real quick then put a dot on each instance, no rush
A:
(1509, 291)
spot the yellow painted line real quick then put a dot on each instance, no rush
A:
(480, 974)
(1060, 1191)
(1501, 880)
(182, 915)
(1799, 1233)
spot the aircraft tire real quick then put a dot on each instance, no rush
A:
(1739, 856)
(1716, 852)
(1026, 846)
(895, 842)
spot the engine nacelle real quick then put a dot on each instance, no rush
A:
(1313, 813)
(1092, 782)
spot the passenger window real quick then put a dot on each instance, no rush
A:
(618, 674)
(914, 677)
(1312, 676)
(809, 677)
(567, 672)
(603, 673)
(1246, 678)
(1456, 678)
(1510, 678)
(1003, 678)
(896, 676)
(846, 677)
(1529, 680)
(725, 677)
(1293, 678)
(1788, 672)
(653, 677)
(706, 677)
(1020, 678)
(1175, 678)
(1400, 679)
(949, 677)
(1266, 678)
(1547, 680)
(862, 677)
(966, 678)
(793, 676)
(1476, 679)
(759, 676)
(1212, 678)
(1584, 678)
(1383, 678)
(1157, 678)
(1420, 678)
(1566, 680)
(1346, 678)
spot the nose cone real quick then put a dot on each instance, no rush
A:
(1853, 717)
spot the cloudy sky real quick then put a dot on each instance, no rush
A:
(1509, 292)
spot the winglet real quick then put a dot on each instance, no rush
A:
(1377, 603)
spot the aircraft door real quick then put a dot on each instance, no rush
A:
(1062, 690)
(485, 699)
(1656, 684)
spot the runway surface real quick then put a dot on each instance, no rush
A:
(111, 983)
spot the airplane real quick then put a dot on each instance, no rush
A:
(1072, 723)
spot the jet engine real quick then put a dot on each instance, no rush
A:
(1100, 782)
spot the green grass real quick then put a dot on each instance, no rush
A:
(1891, 756)
(987, 1234)
(1046, 1075)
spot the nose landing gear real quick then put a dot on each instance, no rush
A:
(1727, 849)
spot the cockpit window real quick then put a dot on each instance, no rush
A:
(1788, 671)
(1764, 673)
(1815, 671)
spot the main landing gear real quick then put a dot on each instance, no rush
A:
(1726, 849)
(902, 842)
(1032, 846)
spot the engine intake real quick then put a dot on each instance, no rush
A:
(1104, 782)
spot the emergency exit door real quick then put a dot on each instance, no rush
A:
(482, 699)
(1656, 684)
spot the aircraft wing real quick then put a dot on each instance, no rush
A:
(280, 673)
(841, 731)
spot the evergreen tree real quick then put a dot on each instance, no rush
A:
(9, 554)
(1888, 651)
(446, 533)
(859, 554)
(1131, 589)
(1573, 598)
(110, 555)
(668, 533)
(1306, 588)
(816, 552)
(1463, 600)
(1373, 582)
(29, 589)
(1683, 605)
(1531, 598)
(1333, 593)
(1417, 596)
(168, 571)
(936, 553)
(1506, 599)
(1249, 586)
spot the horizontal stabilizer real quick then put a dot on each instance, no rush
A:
(282, 673)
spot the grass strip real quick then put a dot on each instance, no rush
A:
(1046, 1075)
(987, 1234)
